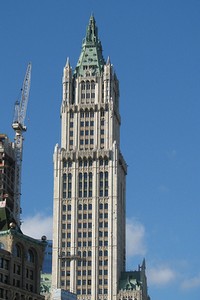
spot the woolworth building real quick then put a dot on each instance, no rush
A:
(89, 222)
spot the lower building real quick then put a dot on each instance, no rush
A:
(133, 285)
(21, 260)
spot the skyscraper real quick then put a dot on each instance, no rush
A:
(89, 179)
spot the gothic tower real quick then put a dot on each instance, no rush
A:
(89, 179)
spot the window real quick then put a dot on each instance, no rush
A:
(69, 185)
(17, 251)
(30, 256)
(101, 184)
(87, 85)
(100, 206)
(80, 184)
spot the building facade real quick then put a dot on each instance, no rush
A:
(21, 256)
(20, 265)
(7, 181)
(89, 179)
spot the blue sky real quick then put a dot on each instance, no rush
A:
(155, 48)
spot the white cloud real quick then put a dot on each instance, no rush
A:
(38, 225)
(191, 283)
(160, 276)
(135, 233)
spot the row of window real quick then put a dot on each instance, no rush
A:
(87, 123)
(102, 206)
(87, 85)
(85, 185)
(85, 225)
(85, 244)
(85, 162)
(87, 114)
(67, 185)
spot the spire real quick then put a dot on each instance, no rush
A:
(108, 61)
(92, 31)
(91, 57)
(67, 65)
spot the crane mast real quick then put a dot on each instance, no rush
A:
(19, 128)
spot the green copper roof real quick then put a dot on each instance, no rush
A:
(130, 281)
(91, 57)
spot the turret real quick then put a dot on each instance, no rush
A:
(67, 81)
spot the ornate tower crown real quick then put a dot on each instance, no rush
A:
(91, 57)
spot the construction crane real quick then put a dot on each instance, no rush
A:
(19, 128)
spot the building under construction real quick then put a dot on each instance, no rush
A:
(7, 181)
(21, 256)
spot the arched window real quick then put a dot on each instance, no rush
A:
(17, 251)
(30, 256)
(82, 85)
(92, 85)
(71, 114)
(87, 85)
(91, 113)
(69, 163)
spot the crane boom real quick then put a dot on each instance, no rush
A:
(19, 128)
